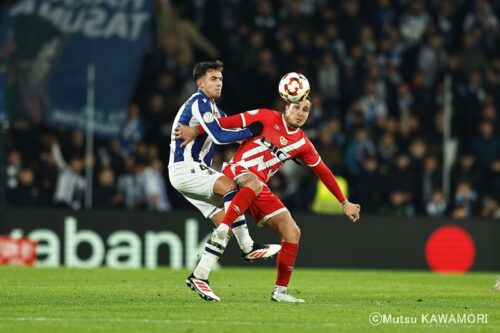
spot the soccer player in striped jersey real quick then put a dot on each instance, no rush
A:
(256, 161)
(207, 189)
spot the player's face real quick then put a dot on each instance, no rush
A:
(296, 114)
(211, 83)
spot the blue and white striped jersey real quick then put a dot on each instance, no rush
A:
(199, 109)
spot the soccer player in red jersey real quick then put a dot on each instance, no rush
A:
(256, 161)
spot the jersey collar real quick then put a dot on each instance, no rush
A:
(202, 93)
(288, 131)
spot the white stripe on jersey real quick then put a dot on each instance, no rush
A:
(255, 150)
(205, 149)
(267, 164)
(187, 149)
(193, 121)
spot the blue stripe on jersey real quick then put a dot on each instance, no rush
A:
(209, 156)
(197, 145)
(179, 152)
(200, 150)
(184, 119)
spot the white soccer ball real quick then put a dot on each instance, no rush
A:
(293, 87)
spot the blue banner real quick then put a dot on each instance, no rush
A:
(51, 43)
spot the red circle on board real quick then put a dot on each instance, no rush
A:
(450, 249)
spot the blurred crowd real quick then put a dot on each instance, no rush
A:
(377, 71)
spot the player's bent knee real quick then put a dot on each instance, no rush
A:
(224, 185)
(297, 233)
(256, 186)
(292, 234)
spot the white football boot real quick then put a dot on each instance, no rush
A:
(261, 251)
(280, 294)
(202, 287)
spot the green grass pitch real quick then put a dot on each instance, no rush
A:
(105, 300)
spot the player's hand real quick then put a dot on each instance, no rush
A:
(185, 133)
(256, 128)
(352, 211)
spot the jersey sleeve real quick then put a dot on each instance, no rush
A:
(202, 111)
(309, 155)
(249, 117)
(237, 121)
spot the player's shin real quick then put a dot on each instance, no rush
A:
(236, 203)
(239, 226)
(285, 263)
(214, 248)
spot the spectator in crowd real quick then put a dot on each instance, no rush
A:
(14, 165)
(70, 185)
(466, 200)
(369, 187)
(27, 193)
(486, 145)
(357, 150)
(431, 178)
(128, 193)
(471, 55)
(432, 58)
(414, 23)
(401, 187)
(436, 205)
(491, 208)
(133, 131)
(152, 185)
(105, 189)
(383, 17)
(374, 108)
(329, 83)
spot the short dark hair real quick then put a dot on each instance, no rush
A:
(202, 67)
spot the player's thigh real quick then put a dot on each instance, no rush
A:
(266, 206)
(223, 185)
(249, 180)
(193, 179)
(196, 182)
(269, 211)
(208, 207)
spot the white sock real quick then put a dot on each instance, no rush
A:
(222, 231)
(213, 250)
(280, 289)
(240, 231)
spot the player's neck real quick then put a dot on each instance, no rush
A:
(290, 127)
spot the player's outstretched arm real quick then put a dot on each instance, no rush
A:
(351, 210)
(183, 132)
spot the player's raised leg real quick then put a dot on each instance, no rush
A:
(236, 203)
(215, 246)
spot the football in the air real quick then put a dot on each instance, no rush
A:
(293, 87)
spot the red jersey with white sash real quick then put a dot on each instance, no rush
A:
(263, 155)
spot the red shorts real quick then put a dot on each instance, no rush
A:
(266, 205)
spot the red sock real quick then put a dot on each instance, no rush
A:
(285, 262)
(238, 205)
